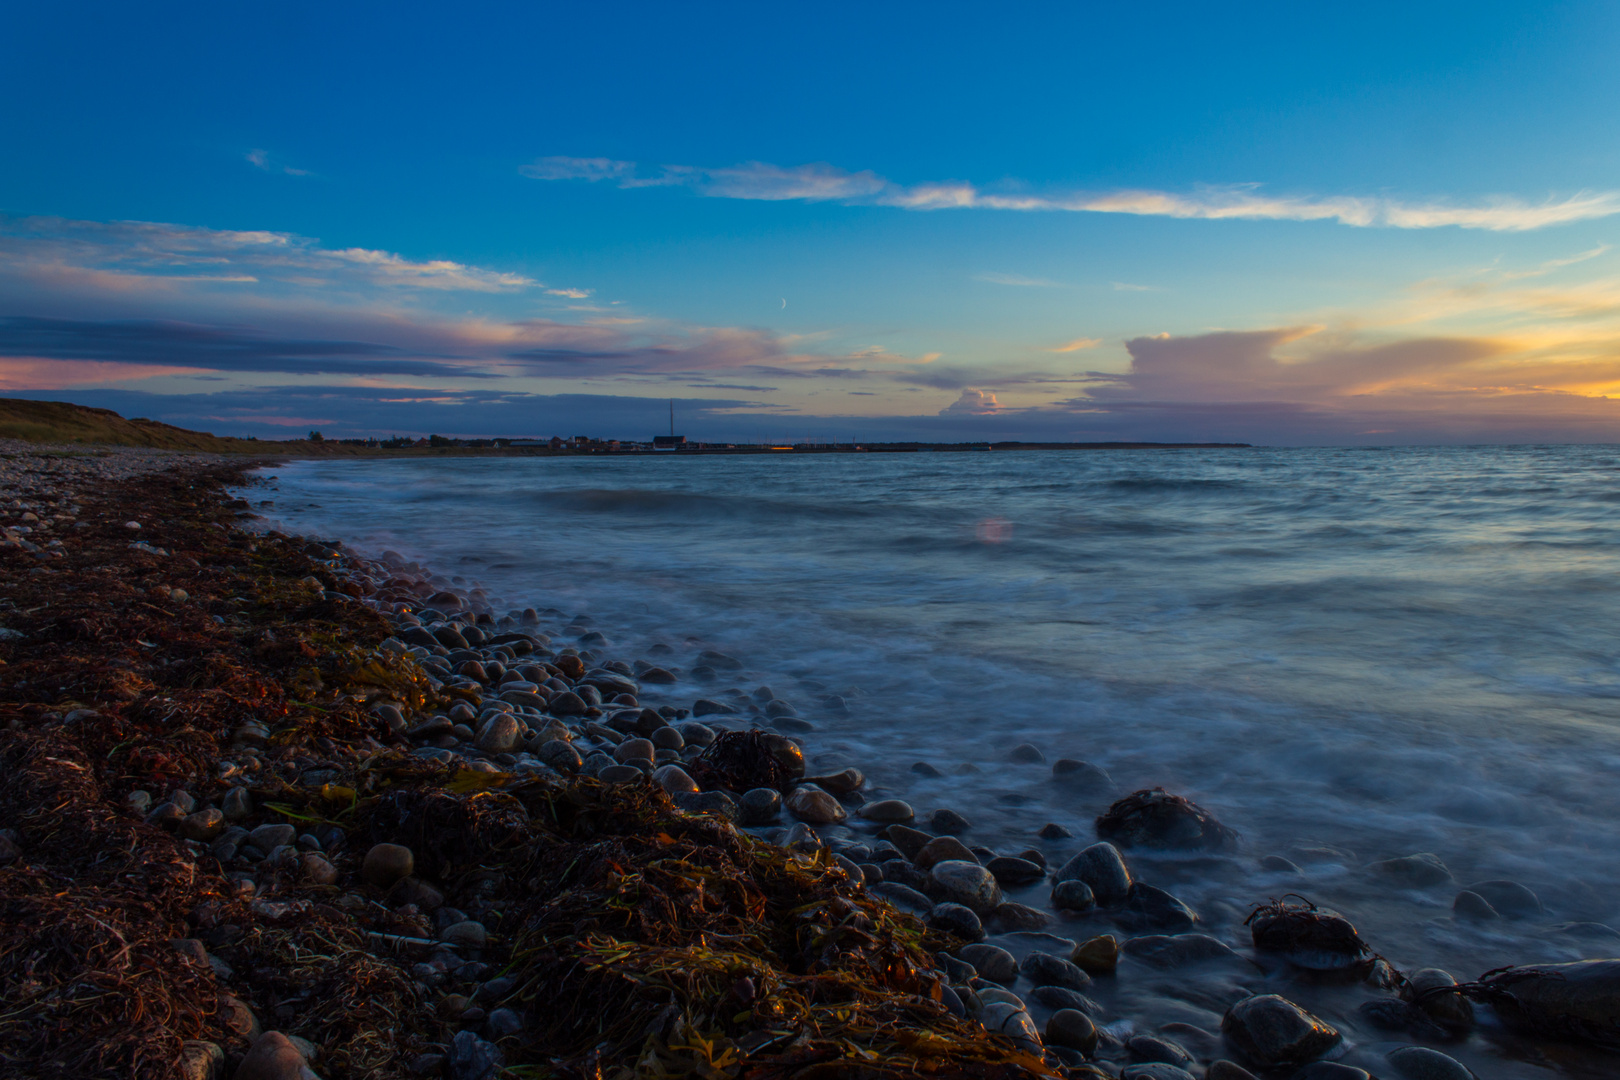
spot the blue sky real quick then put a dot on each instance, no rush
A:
(1392, 223)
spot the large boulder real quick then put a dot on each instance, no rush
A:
(1274, 1033)
(1102, 869)
(1155, 818)
(968, 884)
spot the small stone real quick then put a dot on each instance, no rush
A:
(560, 755)
(500, 736)
(633, 750)
(1151, 1048)
(1275, 1032)
(843, 782)
(674, 779)
(922, 768)
(503, 1023)
(909, 841)
(1177, 950)
(697, 734)
(270, 837)
(139, 802)
(759, 806)
(1006, 1019)
(667, 738)
(237, 804)
(1073, 896)
(1027, 754)
(1098, 955)
(237, 1018)
(1072, 1028)
(317, 869)
(901, 896)
(1014, 871)
(1150, 908)
(1154, 1070)
(659, 676)
(1509, 898)
(1157, 819)
(887, 812)
(1044, 969)
(273, 1057)
(1451, 1011)
(815, 806)
(1331, 1070)
(956, 919)
(708, 802)
(1053, 831)
(991, 961)
(941, 849)
(621, 774)
(471, 1058)
(468, 932)
(386, 864)
(1013, 918)
(1421, 1063)
(1101, 867)
(415, 891)
(203, 825)
(201, 1060)
(946, 822)
(966, 883)
(1420, 871)
(1468, 905)
(1227, 1070)
(166, 815)
(1081, 776)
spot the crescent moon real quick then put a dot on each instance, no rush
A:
(784, 302)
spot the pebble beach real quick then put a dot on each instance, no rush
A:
(330, 742)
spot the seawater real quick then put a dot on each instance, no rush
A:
(1346, 654)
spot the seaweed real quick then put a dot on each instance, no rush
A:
(1156, 818)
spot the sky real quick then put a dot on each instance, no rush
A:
(1360, 225)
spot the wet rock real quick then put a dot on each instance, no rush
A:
(386, 864)
(922, 768)
(560, 755)
(1014, 871)
(991, 961)
(956, 919)
(270, 837)
(1274, 1032)
(966, 883)
(901, 896)
(1509, 898)
(469, 933)
(659, 676)
(1177, 950)
(1393, 1014)
(887, 812)
(1100, 867)
(1081, 775)
(907, 840)
(941, 849)
(845, 782)
(274, 1057)
(674, 779)
(1150, 908)
(759, 806)
(697, 734)
(1227, 1070)
(1098, 955)
(1154, 1071)
(1044, 969)
(815, 806)
(1013, 918)
(948, 823)
(237, 1018)
(412, 890)
(1156, 1048)
(633, 750)
(500, 736)
(1427, 988)
(1053, 831)
(1073, 896)
(1419, 871)
(1026, 754)
(503, 1023)
(318, 870)
(1331, 1070)
(1155, 818)
(203, 825)
(200, 1060)
(1279, 865)
(1003, 1018)
(1421, 1063)
(1318, 939)
(1061, 997)
(1072, 1028)
(708, 802)
(787, 753)
(471, 1058)
(166, 815)
(621, 774)
(1473, 907)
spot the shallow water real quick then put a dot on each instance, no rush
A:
(1376, 651)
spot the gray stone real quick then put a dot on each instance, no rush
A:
(471, 1058)
(1227, 1070)
(1331, 1070)
(696, 734)
(1027, 754)
(503, 1023)
(633, 750)
(759, 806)
(203, 825)
(1003, 1018)
(386, 864)
(468, 932)
(274, 1056)
(811, 804)
(1176, 950)
(1053, 831)
(1101, 867)
(1072, 1028)
(991, 961)
(667, 738)
(966, 883)
(845, 782)
(560, 755)
(901, 896)
(1150, 908)
(887, 812)
(201, 1060)
(1274, 1032)
(942, 849)
(1473, 907)
(270, 837)
(956, 919)
(1154, 1070)
(237, 804)
(1010, 870)
(1149, 1048)
(1081, 776)
(946, 822)
(1419, 871)
(907, 841)
(1011, 918)
(1421, 1063)
(620, 774)
(500, 735)
(1511, 899)
(1061, 997)
(1451, 1011)
(674, 779)
(1044, 969)
(1073, 896)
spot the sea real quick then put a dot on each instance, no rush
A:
(1347, 655)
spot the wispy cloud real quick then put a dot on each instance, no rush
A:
(1076, 345)
(972, 403)
(262, 160)
(821, 182)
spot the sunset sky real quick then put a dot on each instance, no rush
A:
(1384, 223)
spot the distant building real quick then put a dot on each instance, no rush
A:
(669, 442)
